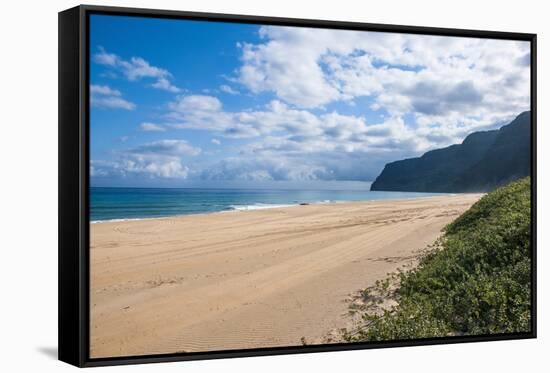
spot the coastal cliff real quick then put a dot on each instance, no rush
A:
(482, 162)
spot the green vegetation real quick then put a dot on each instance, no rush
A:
(475, 280)
(484, 161)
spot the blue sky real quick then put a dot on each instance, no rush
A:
(191, 103)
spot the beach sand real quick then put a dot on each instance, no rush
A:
(248, 279)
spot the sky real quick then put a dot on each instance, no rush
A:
(180, 103)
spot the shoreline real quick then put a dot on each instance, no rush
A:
(267, 278)
(269, 207)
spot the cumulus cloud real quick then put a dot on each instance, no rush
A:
(158, 159)
(164, 84)
(136, 68)
(215, 142)
(105, 97)
(207, 113)
(287, 69)
(277, 121)
(426, 76)
(191, 103)
(286, 143)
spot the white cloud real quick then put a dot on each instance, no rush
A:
(215, 142)
(152, 166)
(227, 89)
(313, 132)
(105, 97)
(206, 113)
(195, 103)
(137, 68)
(96, 171)
(151, 127)
(288, 143)
(158, 159)
(105, 58)
(426, 76)
(164, 84)
(288, 70)
(104, 90)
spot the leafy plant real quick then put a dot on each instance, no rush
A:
(475, 280)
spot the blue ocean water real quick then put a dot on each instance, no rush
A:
(140, 203)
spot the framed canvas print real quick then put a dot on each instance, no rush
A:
(241, 185)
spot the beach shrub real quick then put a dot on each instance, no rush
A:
(475, 280)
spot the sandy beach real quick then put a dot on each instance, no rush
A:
(248, 279)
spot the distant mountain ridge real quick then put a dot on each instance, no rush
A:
(484, 161)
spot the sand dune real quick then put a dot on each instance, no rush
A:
(248, 279)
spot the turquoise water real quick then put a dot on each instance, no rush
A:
(140, 203)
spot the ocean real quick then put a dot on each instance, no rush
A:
(142, 203)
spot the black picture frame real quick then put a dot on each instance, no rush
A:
(73, 250)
